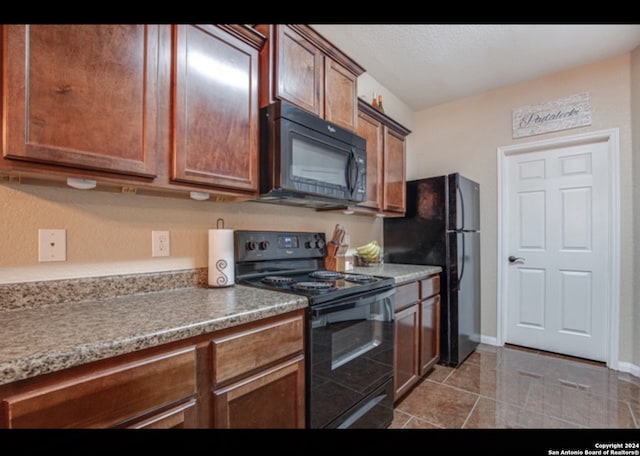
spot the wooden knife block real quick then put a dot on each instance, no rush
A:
(335, 259)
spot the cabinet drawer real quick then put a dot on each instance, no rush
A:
(106, 397)
(430, 286)
(173, 418)
(245, 351)
(406, 295)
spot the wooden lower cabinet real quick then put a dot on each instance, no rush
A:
(273, 399)
(256, 380)
(177, 417)
(407, 338)
(429, 333)
(417, 332)
(259, 375)
(136, 393)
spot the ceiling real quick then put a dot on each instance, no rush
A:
(429, 64)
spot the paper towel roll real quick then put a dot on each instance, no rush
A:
(221, 258)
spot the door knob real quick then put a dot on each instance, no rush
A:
(513, 259)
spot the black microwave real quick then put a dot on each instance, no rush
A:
(307, 161)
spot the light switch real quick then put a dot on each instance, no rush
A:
(52, 245)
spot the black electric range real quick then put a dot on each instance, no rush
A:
(349, 337)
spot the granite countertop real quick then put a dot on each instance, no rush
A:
(402, 273)
(49, 326)
(45, 338)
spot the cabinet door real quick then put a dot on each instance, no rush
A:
(394, 172)
(429, 333)
(299, 71)
(340, 95)
(82, 96)
(272, 399)
(407, 333)
(371, 130)
(215, 117)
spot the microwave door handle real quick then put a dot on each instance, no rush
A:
(352, 171)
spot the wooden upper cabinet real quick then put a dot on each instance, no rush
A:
(215, 113)
(341, 101)
(394, 193)
(299, 71)
(386, 161)
(372, 130)
(299, 65)
(81, 96)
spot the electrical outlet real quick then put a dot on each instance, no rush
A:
(52, 245)
(160, 245)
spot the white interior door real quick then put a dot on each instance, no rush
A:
(558, 230)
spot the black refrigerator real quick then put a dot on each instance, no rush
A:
(442, 227)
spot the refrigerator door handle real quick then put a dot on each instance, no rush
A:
(462, 264)
(461, 208)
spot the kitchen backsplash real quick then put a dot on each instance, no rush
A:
(31, 295)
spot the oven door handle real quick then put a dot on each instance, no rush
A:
(350, 304)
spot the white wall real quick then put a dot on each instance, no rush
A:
(464, 135)
(110, 233)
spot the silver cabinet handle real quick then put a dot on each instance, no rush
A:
(513, 259)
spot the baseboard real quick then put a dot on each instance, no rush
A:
(630, 368)
(489, 340)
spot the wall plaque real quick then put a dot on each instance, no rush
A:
(561, 114)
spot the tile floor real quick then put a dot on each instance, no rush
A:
(511, 387)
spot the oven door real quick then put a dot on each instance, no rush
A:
(350, 362)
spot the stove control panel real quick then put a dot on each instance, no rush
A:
(278, 245)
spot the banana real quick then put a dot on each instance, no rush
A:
(373, 257)
(367, 249)
(370, 252)
(364, 248)
(367, 252)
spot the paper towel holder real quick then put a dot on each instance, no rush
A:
(221, 256)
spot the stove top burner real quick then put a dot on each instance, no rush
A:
(326, 275)
(293, 262)
(314, 286)
(277, 280)
(359, 278)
